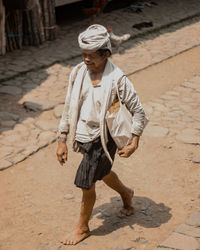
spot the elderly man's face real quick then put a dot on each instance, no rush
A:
(94, 61)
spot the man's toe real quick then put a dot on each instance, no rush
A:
(75, 242)
(70, 242)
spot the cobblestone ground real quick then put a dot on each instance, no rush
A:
(186, 236)
(29, 120)
(39, 95)
(175, 117)
(176, 114)
(121, 21)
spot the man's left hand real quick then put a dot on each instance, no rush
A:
(130, 148)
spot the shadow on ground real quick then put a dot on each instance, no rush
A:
(33, 93)
(11, 111)
(148, 214)
(34, 78)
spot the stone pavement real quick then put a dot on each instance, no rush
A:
(164, 14)
(32, 121)
(36, 99)
(176, 114)
(185, 237)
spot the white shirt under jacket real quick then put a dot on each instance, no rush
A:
(88, 126)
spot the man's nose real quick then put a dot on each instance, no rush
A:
(87, 58)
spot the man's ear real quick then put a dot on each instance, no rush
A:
(107, 54)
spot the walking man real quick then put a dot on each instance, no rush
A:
(91, 92)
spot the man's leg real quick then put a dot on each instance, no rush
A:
(126, 193)
(82, 229)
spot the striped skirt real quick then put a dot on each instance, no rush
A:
(95, 164)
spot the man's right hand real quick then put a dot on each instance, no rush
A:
(62, 152)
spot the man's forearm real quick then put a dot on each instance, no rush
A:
(135, 140)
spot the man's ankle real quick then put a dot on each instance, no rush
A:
(83, 228)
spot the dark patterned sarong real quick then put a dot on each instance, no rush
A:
(95, 164)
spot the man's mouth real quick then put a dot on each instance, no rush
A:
(88, 64)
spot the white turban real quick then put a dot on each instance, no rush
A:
(95, 37)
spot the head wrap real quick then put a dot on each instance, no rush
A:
(95, 37)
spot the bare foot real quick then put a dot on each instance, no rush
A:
(75, 237)
(128, 208)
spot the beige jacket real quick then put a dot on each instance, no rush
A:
(112, 74)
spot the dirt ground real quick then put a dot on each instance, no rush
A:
(39, 202)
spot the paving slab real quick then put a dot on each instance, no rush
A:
(5, 164)
(196, 159)
(188, 230)
(181, 242)
(164, 248)
(194, 219)
(186, 236)
(11, 90)
(5, 116)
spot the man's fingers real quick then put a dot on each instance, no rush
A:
(124, 153)
(65, 156)
(120, 152)
(124, 156)
(60, 159)
(61, 163)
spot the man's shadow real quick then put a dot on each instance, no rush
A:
(147, 214)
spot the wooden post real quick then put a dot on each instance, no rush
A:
(2, 29)
(49, 18)
(33, 26)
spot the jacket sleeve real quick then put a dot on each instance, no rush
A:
(129, 97)
(64, 122)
